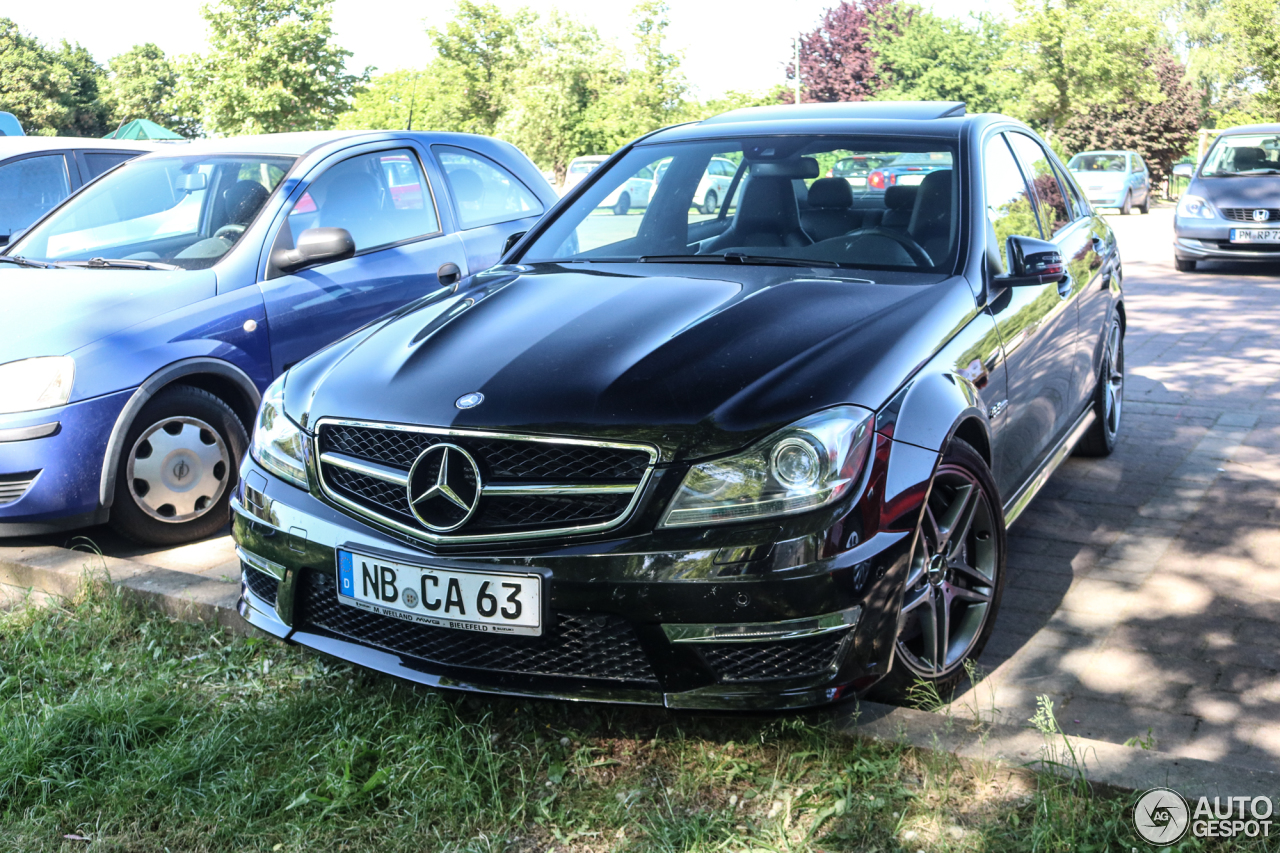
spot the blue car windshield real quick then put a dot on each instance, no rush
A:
(789, 200)
(168, 212)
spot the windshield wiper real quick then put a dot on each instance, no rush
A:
(120, 264)
(25, 262)
(736, 258)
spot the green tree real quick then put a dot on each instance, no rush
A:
(33, 83)
(142, 84)
(924, 57)
(656, 88)
(425, 99)
(1070, 55)
(89, 114)
(485, 49)
(272, 66)
(1255, 27)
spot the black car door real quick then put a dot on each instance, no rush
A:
(1037, 326)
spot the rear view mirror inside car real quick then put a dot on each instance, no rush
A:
(191, 182)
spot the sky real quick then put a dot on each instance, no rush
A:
(741, 46)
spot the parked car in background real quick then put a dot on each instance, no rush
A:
(716, 184)
(908, 169)
(10, 126)
(856, 168)
(37, 172)
(634, 193)
(1118, 179)
(703, 462)
(1231, 209)
(145, 315)
(579, 168)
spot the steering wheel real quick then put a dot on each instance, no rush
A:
(230, 232)
(914, 250)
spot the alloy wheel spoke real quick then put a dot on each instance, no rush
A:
(956, 517)
(915, 598)
(972, 571)
(963, 594)
(929, 630)
(942, 610)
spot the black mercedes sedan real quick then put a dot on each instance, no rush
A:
(757, 458)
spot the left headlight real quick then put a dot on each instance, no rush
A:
(1194, 207)
(278, 443)
(36, 383)
(810, 464)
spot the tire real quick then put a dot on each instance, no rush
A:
(710, 202)
(178, 468)
(1127, 207)
(1184, 266)
(975, 569)
(1146, 203)
(624, 204)
(1108, 398)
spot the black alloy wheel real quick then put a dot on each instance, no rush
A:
(710, 202)
(624, 204)
(1108, 400)
(954, 583)
(178, 468)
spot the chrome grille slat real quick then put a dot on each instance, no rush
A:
(1245, 214)
(532, 486)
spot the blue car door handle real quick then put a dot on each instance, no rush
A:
(449, 273)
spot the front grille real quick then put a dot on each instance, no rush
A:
(1245, 214)
(606, 476)
(261, 584)
(574, 645)
(14, 486)
(807, 656)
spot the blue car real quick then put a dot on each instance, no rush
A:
(145, 315)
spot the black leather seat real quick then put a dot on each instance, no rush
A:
(830, 212)
(767, 216)
(899, 203)
(1245, 159)
(932, 222)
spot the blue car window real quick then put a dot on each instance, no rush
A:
(379, 198)
(484, 192)
(30, 187)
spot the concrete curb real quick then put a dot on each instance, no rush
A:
(59, 572)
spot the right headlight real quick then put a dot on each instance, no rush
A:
(1194, 207)
(812, 463)
(36, 383)
(278, 443)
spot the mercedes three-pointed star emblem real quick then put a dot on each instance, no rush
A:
(444, 487)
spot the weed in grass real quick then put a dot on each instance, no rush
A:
(147, 735)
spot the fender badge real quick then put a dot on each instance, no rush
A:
(470, 401)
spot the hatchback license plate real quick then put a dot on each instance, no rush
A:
(1255, 235)
(446, 598)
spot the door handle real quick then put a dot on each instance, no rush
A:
(449, 273)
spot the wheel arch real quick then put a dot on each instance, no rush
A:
(218, 377)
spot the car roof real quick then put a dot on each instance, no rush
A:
(1082, 153)
(11, 145)
(1251, 128)
(938, 119)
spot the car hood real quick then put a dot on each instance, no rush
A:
(676, 356)
(58, 311)
(1244, 191)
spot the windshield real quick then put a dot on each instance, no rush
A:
(1247, 154)
(1097, 163)
(184, 212)
(761, 200)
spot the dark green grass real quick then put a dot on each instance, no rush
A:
(143, 734)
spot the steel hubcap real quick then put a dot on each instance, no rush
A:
(952, 578)
(178, 469)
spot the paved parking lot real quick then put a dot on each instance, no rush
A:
(1144, 589)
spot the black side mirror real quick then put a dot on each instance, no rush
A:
(512, 240)
(315, 246)
(1032, 262)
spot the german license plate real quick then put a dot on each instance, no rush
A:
(857, 182)
(1255, 235)
(910, 180)
(447, 598)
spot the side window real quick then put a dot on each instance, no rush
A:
(28, 188)
(102, 161)
(484, 192)
(1075, 198)
(379, 198)
(1008, 203)
(1050, 202)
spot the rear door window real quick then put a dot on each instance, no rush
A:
(104, 161)
(485, 193)
(30, 187)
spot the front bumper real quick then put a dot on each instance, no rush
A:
(779, 627)
(51, 465)
(1203, 240)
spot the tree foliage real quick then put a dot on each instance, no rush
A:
(50, 92)
(481, 49)
(1255, 27)
(142, 83)
(838, 60)
(272, 66)
(1159, 132)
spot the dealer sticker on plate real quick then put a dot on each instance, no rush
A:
(1255, 235)
(447, 598)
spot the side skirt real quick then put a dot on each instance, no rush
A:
(1015, 505)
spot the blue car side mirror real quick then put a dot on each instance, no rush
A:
(315, 246)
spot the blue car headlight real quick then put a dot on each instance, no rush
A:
(812, 463)
(1194, 207)
(278, 443)
(36, 383)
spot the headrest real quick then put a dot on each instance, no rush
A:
(831, 192)
(243, 199)
(1248, 158)
(798, 167)
(467, 185)
(900, 198)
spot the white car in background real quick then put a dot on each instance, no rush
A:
(579, 168)
(714, 186)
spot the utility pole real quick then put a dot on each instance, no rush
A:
(796, 45)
